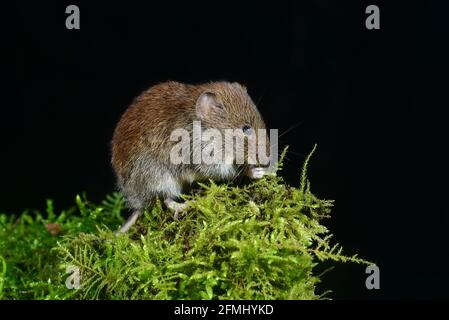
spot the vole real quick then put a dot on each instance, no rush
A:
(141, 143)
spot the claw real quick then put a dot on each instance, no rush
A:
(179, 209)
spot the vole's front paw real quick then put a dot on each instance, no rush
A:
(257, 172)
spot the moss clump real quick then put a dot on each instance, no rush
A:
(259, 241)
(30, 267)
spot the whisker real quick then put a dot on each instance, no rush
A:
(291, 128)
(239, 173)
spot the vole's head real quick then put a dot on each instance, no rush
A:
(228, 108)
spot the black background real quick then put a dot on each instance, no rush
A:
(374, 102)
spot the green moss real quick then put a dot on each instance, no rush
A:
(260, 241)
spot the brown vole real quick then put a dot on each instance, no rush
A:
(141, 144)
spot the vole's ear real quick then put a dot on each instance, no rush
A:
(236, 84)
(206, 104)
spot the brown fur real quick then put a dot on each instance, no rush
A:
(141, 146)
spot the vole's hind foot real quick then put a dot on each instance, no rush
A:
(130, 222)
(179, 209)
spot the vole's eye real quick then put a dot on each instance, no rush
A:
(247, 129)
